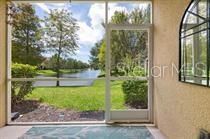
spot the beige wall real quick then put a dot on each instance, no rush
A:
(180, 109)
(2, 62)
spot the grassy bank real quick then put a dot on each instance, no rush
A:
(53, 73)
(81, 98)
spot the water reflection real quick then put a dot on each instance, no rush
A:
(85, 74)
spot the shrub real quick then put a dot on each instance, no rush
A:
(135, 93)
(21, 89)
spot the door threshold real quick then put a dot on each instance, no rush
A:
(124, 122)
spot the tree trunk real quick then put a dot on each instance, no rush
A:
(27, 48)
(58, 58)
(58, 68)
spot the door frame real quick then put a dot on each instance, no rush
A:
(140, 115)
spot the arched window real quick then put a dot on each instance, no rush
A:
(194, 59)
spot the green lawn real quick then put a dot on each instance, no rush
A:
(81, 98)
(46, 72)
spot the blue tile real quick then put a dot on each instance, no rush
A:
(88, 132)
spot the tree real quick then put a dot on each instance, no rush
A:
(50, 63)
(127, 44)
(69, 63)
(94, 59)
(102, 55)
(60, 35)
(140, 16)
(26, 35)
(120, 17)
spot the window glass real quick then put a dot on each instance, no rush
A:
(195, 44)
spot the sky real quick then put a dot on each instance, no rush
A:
(90, 17)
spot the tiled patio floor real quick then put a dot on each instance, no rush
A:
(80, 132)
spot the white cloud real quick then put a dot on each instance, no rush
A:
(97, 14)
(44, 7)
(51, 6)
(58, 4)
(89, 35)
(95, 32)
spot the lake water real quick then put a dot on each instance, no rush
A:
(85, 74)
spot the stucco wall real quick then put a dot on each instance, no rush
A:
(180, 109)
(2, 62)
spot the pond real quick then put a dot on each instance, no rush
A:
(84, 74)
